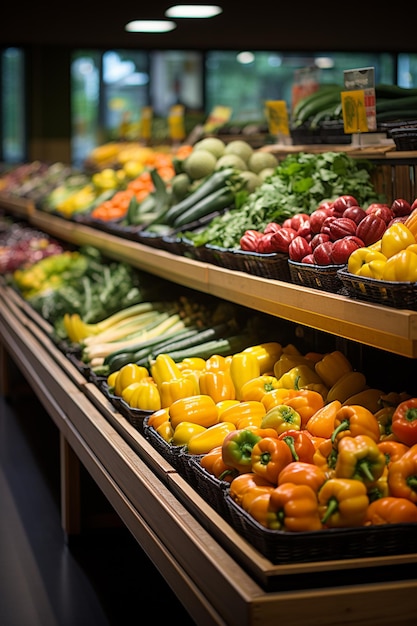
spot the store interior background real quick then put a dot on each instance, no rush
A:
(195, 63)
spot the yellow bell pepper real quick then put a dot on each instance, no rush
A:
(396, 238)
(200, 409)
(359, 458)
(171, 390)
(298, 377)
(128, 374)
(166, 431)
(256, 388)
(225, 404)
(243, 367)
(217, 384)
(282, 418)
(142, 395)
(349, 384)
(164, 368)
(287, 361)
(184, 431)
(250, 408)
(202, 443)
(267, 354)
(332, 367)
(366, 262)
(343, 503)
(401, 267)
(217, 362)
(192, 363)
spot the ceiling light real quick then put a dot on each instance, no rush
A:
(193, 10)
(150, 26)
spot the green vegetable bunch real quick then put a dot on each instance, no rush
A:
(299, 184)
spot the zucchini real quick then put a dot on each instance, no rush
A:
(324, 89)
(325, 101)
(216, 201)
(201, 336)
(387, 116)
(333, 112)
(394, 91)
(408, 103)
(222, 347)
(216, 181)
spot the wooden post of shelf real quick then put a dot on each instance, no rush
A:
(70, 489)
(4, 371)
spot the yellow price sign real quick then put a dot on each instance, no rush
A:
(354, 111)
(277, 116)
(219, 116)
(176, 122)
(146, 123)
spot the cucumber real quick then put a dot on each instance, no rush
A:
(394, 91)
(311, 109)
(211, 184)
(222, 347)
(216, 201)
(207, 334)
(312, 96)
(408, 103)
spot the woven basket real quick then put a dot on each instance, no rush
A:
(324, 277)
(395, 294)
(135, 416)
(210, 488)
(324, 545)
(166, 450)
(273, 265)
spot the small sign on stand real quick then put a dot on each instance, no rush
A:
(359, 102)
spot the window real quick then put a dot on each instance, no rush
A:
(12, 106)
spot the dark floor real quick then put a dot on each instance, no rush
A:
(102, 578)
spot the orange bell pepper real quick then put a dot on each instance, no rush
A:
(402, 476)
(343, 503)
(390, 510)
(242, 483)
(269, 457)
(325, 456)
(275, 397)
(306, 402)
(393, 450)
(293, 508)
(218, 384)
(258, 506)
(404, 422)
(256, 388)
(213, 463)
(352, 420)
(321, 423)
(301, 473)
(359, 458)
(158, 417)
(300, 445)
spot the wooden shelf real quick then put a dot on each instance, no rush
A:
(218, 576)
(387, 328)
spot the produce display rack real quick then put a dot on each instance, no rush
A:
(218, 576)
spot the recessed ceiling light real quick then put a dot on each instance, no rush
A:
(150, 26)
(193, 10)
